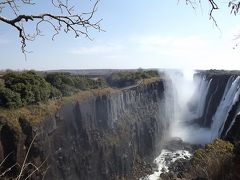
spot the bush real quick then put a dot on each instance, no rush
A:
(128, 78)
(69, 84)
(55, 93)
(213, 162)
(58, 79)
(28, 87)
(9, 99)
(32, 87)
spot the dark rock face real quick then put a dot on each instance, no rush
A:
(9, 149)
(213, 98)
(220, 84)
(233, 134)
(103, 138)
(232, 125)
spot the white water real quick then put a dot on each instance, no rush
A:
(182, 89)
(187, 91)
(179, 92)
(229, 98)
(200, 96)
(163, 161)
(233, 121)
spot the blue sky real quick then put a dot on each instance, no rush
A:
(139, 33)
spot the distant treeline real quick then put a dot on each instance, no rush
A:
(216, 72)
(128, 78)
(18, 89)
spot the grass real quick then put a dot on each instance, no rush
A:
(150, 80)
(85, 95)
(26, 169)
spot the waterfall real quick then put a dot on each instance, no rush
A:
(229, 98)
(201, 102)
(200, 96)
(186, 104)
(182, 122)
(232, 123)
(180, 91)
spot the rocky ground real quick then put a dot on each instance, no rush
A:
(173, 160)
(216, 161)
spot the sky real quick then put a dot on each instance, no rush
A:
(138, 33)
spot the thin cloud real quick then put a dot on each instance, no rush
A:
(97, 49)
(171, 46)
(191, 51)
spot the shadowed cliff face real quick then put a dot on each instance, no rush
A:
(215, 91)
(219, 105)
(105, 137)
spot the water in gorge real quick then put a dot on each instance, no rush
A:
(200, 108)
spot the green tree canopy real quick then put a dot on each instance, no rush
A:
(32, 87)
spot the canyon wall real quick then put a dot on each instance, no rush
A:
(108, 136)
(115, 135)
(217, 104)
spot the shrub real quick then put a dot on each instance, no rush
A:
(32, 87)
(55, 93)
(128, 78)
(69, 84)
(212, 162)
(28, 87)
(58, 79)
(9, 99)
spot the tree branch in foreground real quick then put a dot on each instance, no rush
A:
(67, 21)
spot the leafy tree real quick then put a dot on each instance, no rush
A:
(58, 79)
(128, 78)
(68, 83)
(1, 83)
(80, 82)
(9, 98)
(99, 83)
(29, 87)
(67, 90)
(32, 87)
(55, 93)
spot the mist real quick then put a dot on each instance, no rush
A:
(181, 91)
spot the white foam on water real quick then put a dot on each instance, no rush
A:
(163, 161)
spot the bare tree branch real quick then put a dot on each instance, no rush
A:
(67, 20)
(233, 4)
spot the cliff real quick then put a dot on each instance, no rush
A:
(218, 103)
(108, 136)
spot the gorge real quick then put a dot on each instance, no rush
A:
(116, 135)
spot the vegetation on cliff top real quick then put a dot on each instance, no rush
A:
(129, 78)
(215, 72)
(214, 160)
(32, 96)
(218, 160)
(26, 88)
(18, 89)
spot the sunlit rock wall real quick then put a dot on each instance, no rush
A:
(105, 137)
